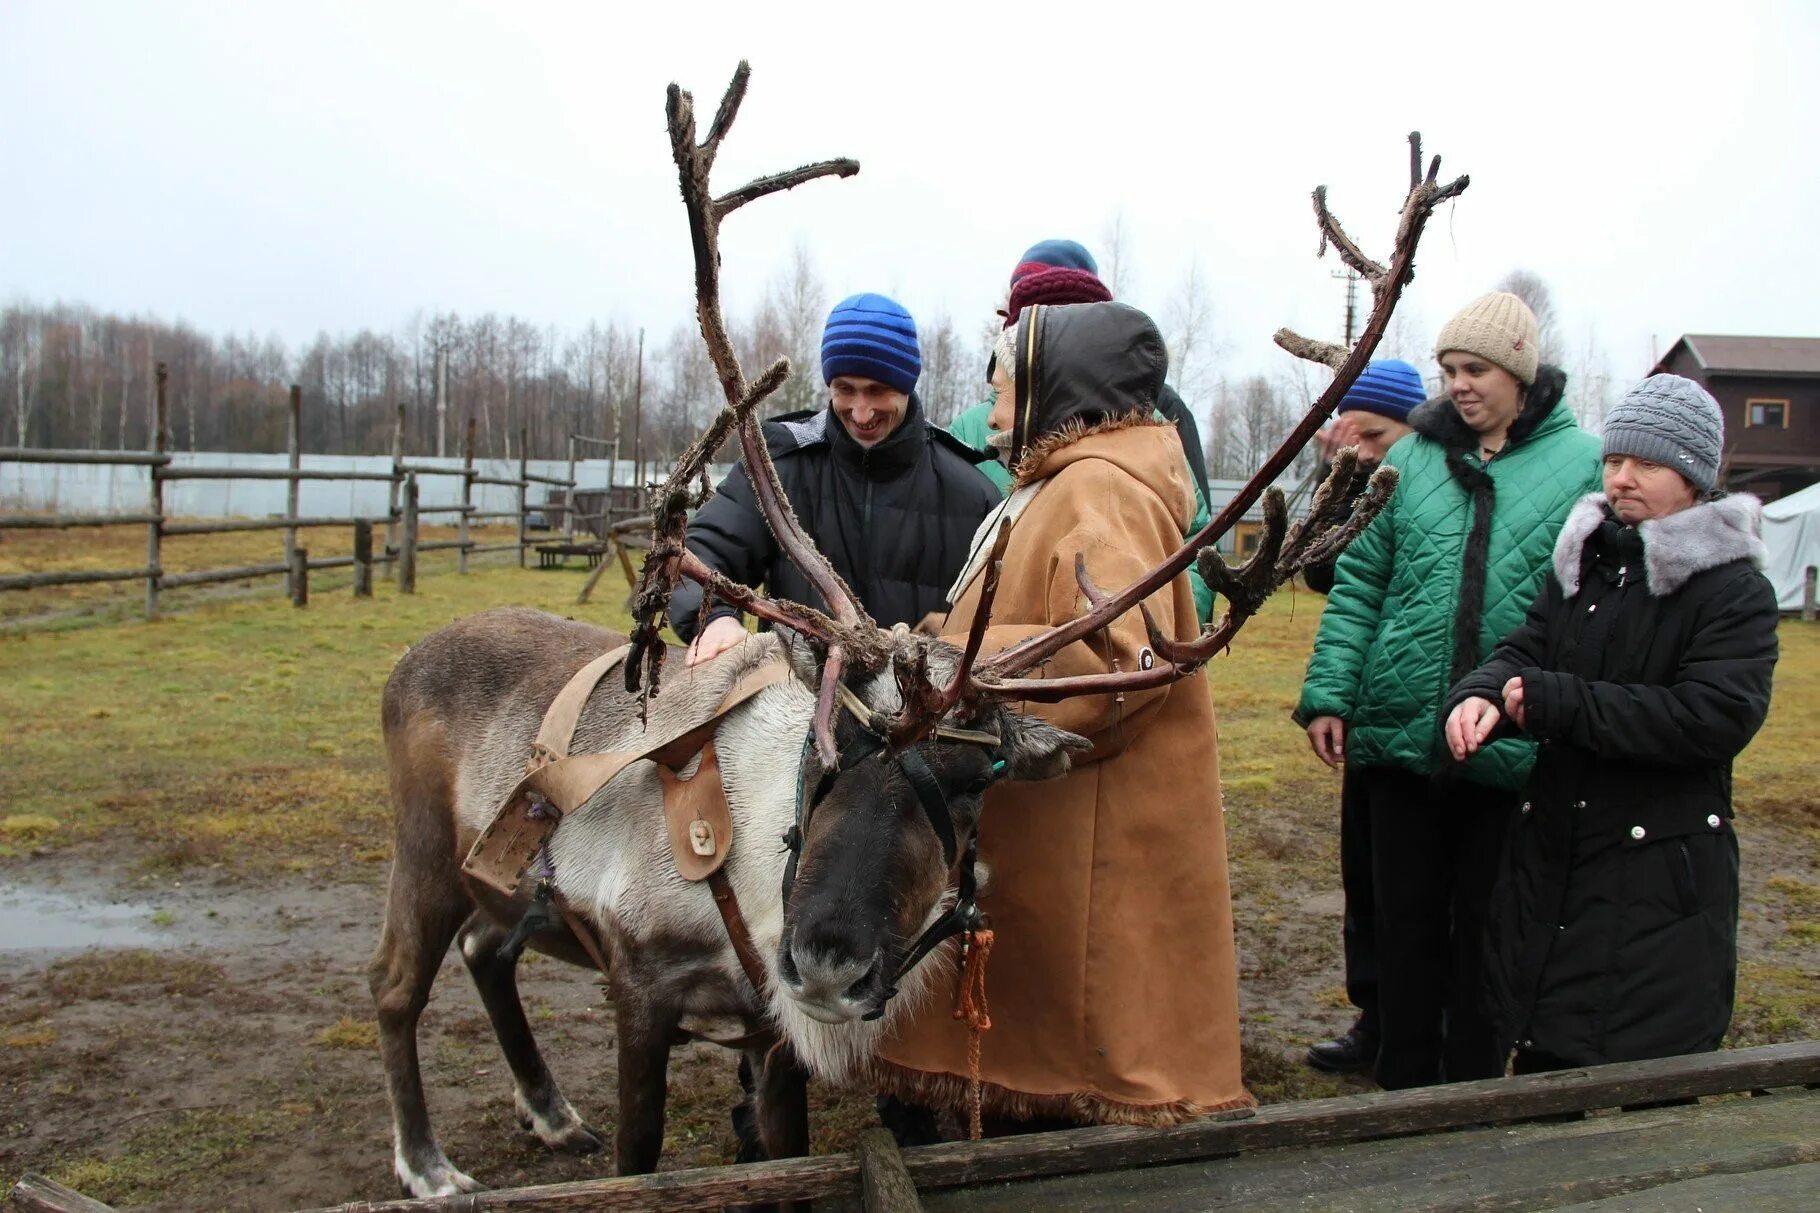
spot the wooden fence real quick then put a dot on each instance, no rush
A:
(404, 512)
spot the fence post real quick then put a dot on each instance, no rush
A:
(523, 493)
(154, 530)
(467, 498)
(299, 577)
(391, 496)
(363, 559)
(407, 548)
(568, 514)
(293, 489)
(1808, 593)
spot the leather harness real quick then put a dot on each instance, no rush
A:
(696, 815)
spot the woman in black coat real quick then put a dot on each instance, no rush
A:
(1642, 669)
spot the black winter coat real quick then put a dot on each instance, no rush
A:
(894, 520)
(1646, 665)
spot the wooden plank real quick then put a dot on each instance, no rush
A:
(363, 559)
(1793, 1189)
(154, 530)
(36, 1194)
(884, 1185)
(407, 544)
(1356, 1117)
(298, 576)
(27, 454)
(171, 473)
(1353, 1118)
(1533, 1166)
(294, 488)
(679, 1191)
(32, 581)
(57, 522)
(227, 525)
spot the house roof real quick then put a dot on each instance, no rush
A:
(1722, 355)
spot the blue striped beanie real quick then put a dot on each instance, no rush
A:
(1388, 387)
(872, 337)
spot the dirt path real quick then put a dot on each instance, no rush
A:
(170, 1043)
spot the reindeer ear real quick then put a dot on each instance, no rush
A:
(1035, 750)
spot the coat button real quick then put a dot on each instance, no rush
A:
(1579, 804)
(1638, 833)
(1526, 1044)
(1526, 806)
(1714, 821)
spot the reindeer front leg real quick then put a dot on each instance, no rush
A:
(646, 1030)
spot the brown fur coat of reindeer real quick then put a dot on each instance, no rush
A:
(879, 805)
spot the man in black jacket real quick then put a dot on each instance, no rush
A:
(891, 501)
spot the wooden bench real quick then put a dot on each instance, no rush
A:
(551, 555)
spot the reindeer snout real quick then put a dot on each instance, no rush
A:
(829, 979)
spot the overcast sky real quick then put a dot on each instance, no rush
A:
(292, 168)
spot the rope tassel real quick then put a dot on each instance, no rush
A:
(970, 1008)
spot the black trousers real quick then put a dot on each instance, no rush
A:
(1435, 849)
(1358, 929)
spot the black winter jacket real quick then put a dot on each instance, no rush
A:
(1646, 664)
(894, 520)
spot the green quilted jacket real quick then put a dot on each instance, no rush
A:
(1389, 645)
(969, 425)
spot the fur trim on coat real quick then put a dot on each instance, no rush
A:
(1690, 541)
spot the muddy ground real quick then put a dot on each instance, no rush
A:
(207, 1043)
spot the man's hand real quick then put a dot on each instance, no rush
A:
(1343, 432)
(1513, 701)
(720, 635)
(1327, 734)
(1468, 725)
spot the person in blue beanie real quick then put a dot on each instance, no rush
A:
(1372, 416)
(890, 500)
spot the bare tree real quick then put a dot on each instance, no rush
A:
(1116, 268)
(1590, 385)
(1529, 287)
(954, 371)
(1189, 334)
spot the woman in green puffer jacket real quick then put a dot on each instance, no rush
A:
(1441, 575)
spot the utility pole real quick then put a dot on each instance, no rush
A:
(1352, 300)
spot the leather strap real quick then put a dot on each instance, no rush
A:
(583, 932)
(737, 934)
(558, 727)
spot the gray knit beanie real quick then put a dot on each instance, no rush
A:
(1672, 421)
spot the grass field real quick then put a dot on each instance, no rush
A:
(234, 748)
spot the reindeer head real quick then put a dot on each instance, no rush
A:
(909, 732)
(883, 863)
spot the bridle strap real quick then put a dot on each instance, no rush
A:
(934, 801)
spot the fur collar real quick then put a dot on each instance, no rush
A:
(1030, 464)
(1702, 537)
(1439, 420)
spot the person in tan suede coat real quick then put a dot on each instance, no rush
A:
(1113, 982)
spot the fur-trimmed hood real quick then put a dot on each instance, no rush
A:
(1675, 548)
(1082, 363)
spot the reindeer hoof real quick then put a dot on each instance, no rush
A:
(558, 1127)
(433, 1176)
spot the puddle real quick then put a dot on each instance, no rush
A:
(45, 920)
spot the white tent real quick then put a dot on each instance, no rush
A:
(1791, 532)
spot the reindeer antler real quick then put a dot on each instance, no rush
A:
(1280, 554)
(850, 637)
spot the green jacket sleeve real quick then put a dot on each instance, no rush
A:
(1203, 593)
(1350, 621)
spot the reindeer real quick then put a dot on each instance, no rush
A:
(869, 759)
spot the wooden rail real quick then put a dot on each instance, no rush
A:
(402, 542)
(883, 1177)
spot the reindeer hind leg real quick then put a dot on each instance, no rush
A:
(540, 1104)
(420, 921)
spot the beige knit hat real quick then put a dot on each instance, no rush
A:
(1499, 328)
